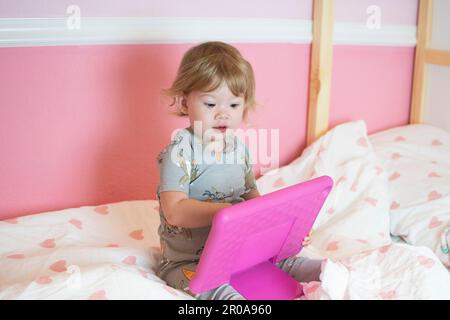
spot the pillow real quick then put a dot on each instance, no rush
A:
(417, 163)
(355, 216)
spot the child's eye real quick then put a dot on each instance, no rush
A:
(234, 105)
(209, 105)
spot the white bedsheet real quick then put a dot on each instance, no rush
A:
(397, 271)
(109, 251)
(355, 216)
(104, 252)
(353, 225)
(417, 161)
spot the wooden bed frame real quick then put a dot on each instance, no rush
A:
(322, 57)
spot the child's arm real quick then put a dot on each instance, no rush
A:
(181, 211)
(250, 195)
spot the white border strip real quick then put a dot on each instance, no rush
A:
(42, 32)
(28, 32)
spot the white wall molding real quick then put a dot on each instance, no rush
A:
(109, 30)
(26, 32)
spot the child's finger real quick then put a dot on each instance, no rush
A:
(306, 241)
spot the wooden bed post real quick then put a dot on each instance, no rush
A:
(320, 69)
(419, 80)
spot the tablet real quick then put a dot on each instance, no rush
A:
(248, 238)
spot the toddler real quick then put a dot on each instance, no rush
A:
(206, 167)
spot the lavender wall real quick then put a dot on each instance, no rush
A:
(157, 8)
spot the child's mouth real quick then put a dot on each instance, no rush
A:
(221, 129)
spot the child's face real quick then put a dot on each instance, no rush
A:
(219, 111)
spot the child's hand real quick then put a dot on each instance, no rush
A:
(307, 241)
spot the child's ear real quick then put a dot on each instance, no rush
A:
(184, 107)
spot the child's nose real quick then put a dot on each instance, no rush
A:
(221, 114)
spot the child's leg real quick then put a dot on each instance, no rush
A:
(302, 269)
(224, 292)
(178, 277)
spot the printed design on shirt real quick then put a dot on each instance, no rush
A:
(188, 273)
(160, 156)
(175, 230)
(218, 155)
(164, 263)
(174, 142)
(194, 171)
(182, 163)
(162, 244)
(199, 251)
(183, 285)
(250, 182)
(229, 145)
(215, 196)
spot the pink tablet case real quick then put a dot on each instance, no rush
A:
(248, 238)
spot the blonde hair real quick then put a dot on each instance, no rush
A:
(205, 67)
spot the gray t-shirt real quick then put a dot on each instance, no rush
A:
(190, 167)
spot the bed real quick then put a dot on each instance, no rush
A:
(384, 230)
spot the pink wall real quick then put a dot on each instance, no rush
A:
(371, 83)
(83, 125)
